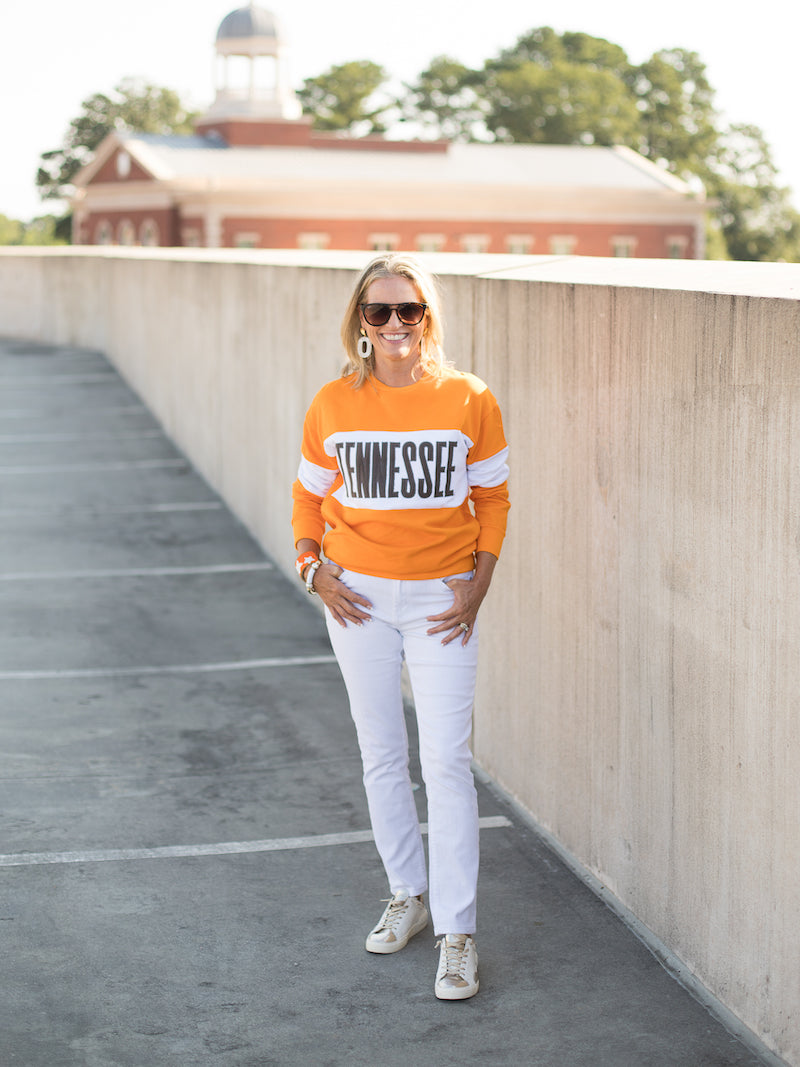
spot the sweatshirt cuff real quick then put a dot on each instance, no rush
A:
(490, 539)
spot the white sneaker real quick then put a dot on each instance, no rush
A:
(404, 917)
(457, 977)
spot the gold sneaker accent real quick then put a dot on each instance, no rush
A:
(457, 976)
(403, 917)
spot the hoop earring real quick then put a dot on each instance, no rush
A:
(364, 346)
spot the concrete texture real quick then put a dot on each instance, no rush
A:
(638, 692)
(162, 684)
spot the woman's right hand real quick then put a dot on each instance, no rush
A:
(343, 604)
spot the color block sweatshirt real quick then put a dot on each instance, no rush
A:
(403, 482)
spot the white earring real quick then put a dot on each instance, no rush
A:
(364, 346)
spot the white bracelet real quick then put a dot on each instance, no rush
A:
(312, 570)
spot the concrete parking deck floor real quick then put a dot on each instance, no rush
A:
(187, 875)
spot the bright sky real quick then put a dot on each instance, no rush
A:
(56, 53)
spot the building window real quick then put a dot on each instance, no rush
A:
(475, 243)
(562, 245)
(103, 234)
(313, 241)
(246, 240)
(383, 242)
(148, 234)
(676, 247)
(519, 244)
(126, 233)
(123, 164)
(430, 242)
(190, 236)
(623, 247)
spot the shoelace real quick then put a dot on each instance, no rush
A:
(455, 957)
(393, 913)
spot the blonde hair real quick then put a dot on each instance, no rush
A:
(387, 265)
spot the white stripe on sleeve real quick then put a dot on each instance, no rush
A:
(490, 472)
(315, 479)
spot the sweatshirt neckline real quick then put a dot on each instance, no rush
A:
(383, 387)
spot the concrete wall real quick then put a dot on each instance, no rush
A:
(640, 685)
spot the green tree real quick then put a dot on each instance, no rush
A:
(11, 231)
(547, 89)
(545, 48)
(563, 104)
(678, 121)
(134, 105)
(754, 214)
(573, 88)
(444, 101)
(343, 99)
(40, 231)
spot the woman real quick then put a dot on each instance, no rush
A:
(393, 452)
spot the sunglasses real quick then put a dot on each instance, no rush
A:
(379, 314)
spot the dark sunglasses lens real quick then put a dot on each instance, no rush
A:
(377, 314)
(411, 314)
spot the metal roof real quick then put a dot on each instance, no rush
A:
(559, 166)
(250, 21)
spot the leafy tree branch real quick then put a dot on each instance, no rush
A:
(134, 105)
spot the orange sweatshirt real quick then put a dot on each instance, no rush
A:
(390, 472)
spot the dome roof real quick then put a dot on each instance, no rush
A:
(250, 21)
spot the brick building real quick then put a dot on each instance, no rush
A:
(255, 174)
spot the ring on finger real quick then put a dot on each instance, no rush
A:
(464, 626)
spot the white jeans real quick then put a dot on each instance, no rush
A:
(443, 682)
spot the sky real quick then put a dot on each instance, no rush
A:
(54, 54)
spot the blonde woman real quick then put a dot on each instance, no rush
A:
(403, 478)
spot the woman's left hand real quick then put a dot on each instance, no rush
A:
(468, 595)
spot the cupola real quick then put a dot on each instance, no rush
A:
(252, 77)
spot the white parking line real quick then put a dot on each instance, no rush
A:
(225, 848)
(134, 572)
(65, 438)
(178, 668)
(85, 468)
(111, 509)
(44, 413)
(201, 505)
(62, 379)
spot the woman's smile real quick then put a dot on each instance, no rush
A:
(395, 345)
